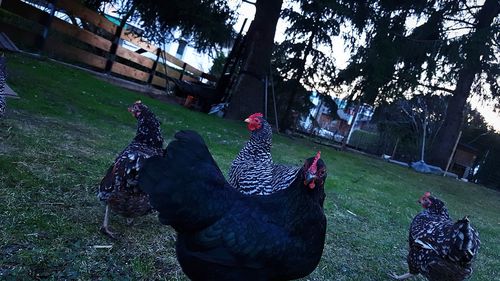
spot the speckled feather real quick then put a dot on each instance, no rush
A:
(119, 188)
(3, 79)
(225, 235)
(441, 249)
(253, 170)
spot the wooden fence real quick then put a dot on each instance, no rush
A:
(39, 30)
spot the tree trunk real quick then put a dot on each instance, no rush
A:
(474, 49)
(248, 93)
(287, 117)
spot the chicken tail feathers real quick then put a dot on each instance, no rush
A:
(185, 186)
(465, 240)
(189, 146)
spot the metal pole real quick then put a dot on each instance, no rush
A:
(274, 100)
(422, 153)
(452, 153)
(353, 124)
(394, 150)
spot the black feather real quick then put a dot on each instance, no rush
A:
(226, 235)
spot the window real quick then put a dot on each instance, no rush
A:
(181, 48)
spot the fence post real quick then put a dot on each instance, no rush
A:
(153, 68)
(113, 49)
(183, 70)
(46, 24)
(117, 38)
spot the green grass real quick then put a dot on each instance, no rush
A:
(58, 139)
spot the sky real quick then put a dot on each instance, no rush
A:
(247, 10)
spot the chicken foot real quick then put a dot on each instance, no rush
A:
(104, 228)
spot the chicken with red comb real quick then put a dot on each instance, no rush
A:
(440, 249)
(253, 170)
(224, 235)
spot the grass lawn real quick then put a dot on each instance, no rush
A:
(57, 141)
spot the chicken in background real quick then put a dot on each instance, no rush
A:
(223, 234)
(253, 170)
(119, 188)
(440, 249)
(3, 80)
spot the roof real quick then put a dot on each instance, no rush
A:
(467, 148)
(117, 21)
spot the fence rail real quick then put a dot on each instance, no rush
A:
(37, 29)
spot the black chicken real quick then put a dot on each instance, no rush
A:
(223, 234)
(440, 249)
(119, 188)
(253, 170)
(3, 78)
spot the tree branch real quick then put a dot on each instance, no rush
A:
(460, 21)
(470, 8)
(436, 88)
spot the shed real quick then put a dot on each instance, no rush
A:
(463, 160)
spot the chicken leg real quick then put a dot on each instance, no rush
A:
(104, 228)
(400, 277)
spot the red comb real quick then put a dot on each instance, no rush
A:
(255, 115)
(427, 194)
(314, 167)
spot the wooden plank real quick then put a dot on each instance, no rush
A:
(134, 57)
(128, 71)
(170, 72)
(189, 78)
(74, 54)
(159, 81)
(172, 59)
(19, 36)
(180, 63)
(193, 70)
(88, 15)
(73, 7)
(209, 77)
(81, 34)
(130, 37)
(24, 10)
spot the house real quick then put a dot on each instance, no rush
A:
(332, 128)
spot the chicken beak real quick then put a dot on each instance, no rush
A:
(309, 180)
(247, 120)
(131, 110)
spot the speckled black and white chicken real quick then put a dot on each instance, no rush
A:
(440, 249)
(119, 188)
(3, 79)
(253, 170)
